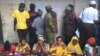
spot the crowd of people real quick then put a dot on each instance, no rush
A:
(42, 32)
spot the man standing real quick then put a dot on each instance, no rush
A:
(38, 24)
(21, 18)
(32, 33)
(50, 21)
(70, 25)
(89, 17)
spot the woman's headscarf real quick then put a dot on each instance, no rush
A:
(68, 8)
(75, 47)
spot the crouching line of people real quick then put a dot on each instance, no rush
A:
(41, 48)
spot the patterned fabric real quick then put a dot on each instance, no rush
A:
(46, 46)
(50, 21)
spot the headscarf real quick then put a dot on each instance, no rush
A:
(68, 8)
(48, 7)
(72, 6)
(91, 40)
(75, 47)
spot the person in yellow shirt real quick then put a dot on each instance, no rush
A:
(21, 18)
(23, 48)
(58, 48)
(74, 47)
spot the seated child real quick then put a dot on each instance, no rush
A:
(23, 48)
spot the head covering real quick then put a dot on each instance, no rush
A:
(48, 7)
(74, 38)
(91, 40)
(41, 37)
(40, 12)
(75, 47)
(72, 6)
(92, 2)
(68, 8)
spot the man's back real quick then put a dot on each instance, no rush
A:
(89, 14)
(39, 25)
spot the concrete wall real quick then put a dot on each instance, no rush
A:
(8, 6)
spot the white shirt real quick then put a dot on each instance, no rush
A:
(90, 49)
(88, 15)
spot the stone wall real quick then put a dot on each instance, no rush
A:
(8, 6)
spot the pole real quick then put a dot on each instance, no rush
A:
(1, 30)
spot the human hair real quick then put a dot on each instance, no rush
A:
(22, 40)
(7, 46)
(92, 5)
(22, 5)
(32, 6)
(58, 37)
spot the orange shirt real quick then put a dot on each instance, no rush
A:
(13, 48)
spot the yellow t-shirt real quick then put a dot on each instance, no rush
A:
(21, 18)
(23, 49)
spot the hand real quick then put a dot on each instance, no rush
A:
(53, 28)
(38, 48)
(71, 50)
(63, 45)
(54, 51)
(14, 28)
(42, 48)
(40, 44)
